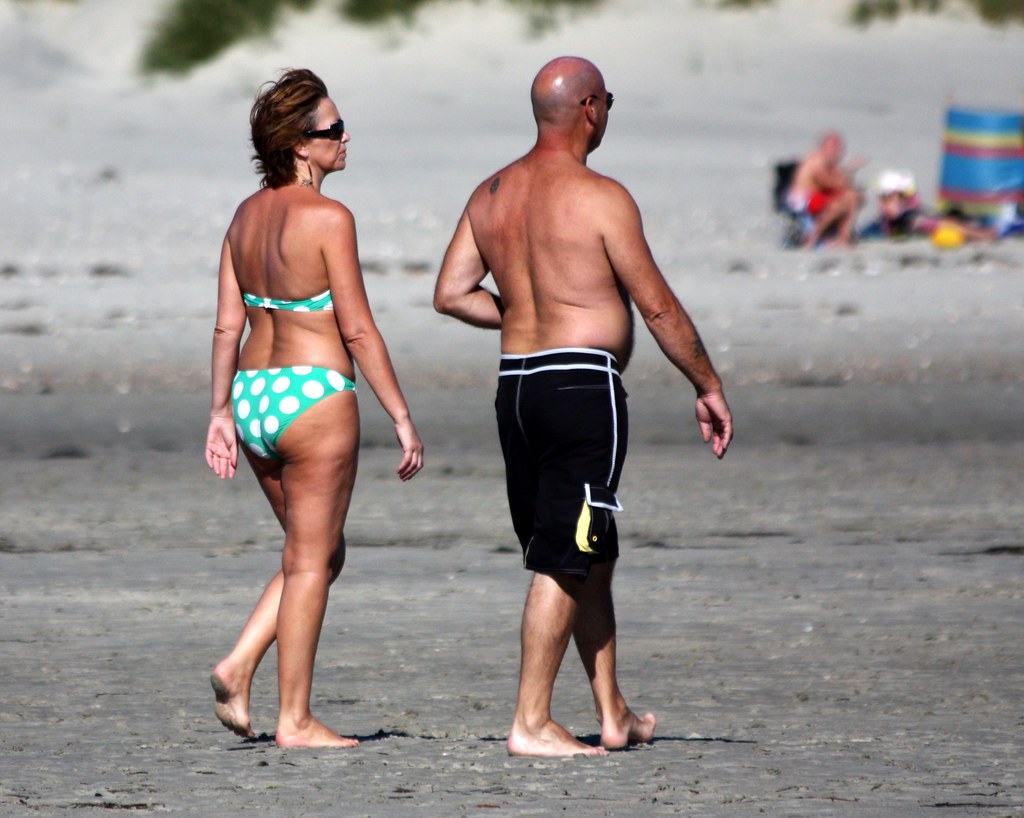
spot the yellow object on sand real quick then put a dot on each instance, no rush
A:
(947, 237)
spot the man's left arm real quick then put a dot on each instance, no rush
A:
(666, 318)
(458, 291)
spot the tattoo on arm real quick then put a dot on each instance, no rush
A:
(698, 349)
(495, 183)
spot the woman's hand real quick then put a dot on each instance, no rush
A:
(222, 446)
(412, 449)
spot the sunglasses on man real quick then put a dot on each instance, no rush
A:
(334, 133)
(609, 99)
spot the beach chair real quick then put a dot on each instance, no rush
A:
(796, 224)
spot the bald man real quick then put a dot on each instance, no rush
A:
(567, 253)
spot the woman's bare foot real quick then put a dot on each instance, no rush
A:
(232, 707)
(551, 740)
(311, 733)
(631, 729)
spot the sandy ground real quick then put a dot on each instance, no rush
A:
(827, 623)
(826, 628)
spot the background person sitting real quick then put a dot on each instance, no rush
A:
(826, 191)
(900, 215)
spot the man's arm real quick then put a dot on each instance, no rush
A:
(458, 292)
(664, 315)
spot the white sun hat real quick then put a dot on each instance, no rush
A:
(896, 181)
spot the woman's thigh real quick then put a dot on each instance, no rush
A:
(268, 475)
(319, 451)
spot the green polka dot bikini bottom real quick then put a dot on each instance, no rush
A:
(267, 401)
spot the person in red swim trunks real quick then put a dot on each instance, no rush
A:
(825, 189)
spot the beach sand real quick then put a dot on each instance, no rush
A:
(827, 623)
(822, 630)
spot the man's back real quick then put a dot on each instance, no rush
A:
(807, 174)
(567, 251)
(539, 225)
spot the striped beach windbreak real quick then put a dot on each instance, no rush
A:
(982, 162)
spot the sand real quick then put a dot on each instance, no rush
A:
(822, 630)
(827, 623)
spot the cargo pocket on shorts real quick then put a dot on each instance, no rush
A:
(595, 518)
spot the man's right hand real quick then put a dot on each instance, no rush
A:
(715, 421)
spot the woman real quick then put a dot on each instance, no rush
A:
(289, 267)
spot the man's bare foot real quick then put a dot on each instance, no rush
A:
(616, 734)
(552, 740)
(232, 706)
(311, 733)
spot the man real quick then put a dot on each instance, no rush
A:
(566, 249)
(826, 191)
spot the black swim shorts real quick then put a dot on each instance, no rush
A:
(563, 425)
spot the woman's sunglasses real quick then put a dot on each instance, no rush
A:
(334, 133)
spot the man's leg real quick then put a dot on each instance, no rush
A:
(822, 222)
(852, 201)
(594, 634)
(548, 619)
(840, 213)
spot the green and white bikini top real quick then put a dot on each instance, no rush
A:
(316, 303)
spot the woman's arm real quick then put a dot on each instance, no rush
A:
(361, 336)
(221, 443)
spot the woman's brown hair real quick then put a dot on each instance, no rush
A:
(283, 110)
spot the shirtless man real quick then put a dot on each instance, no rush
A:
(566, 250)
(826, 190)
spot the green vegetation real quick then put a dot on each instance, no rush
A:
(194, 31)
(376, 11)
(1000, 12)
(742, 4)
(864, 12)
(541, 14)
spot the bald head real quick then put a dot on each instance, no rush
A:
(832, 146)
(558, 88)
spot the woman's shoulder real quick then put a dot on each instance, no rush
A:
(328, 214)
(292, 209)
(253, 204)
(334, 208)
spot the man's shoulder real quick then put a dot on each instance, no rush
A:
(494, 181)
(575, 180)
(607, 184)
(815, 161)
(607, 195)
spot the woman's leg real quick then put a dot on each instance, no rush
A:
(320, 451)
(233, 675)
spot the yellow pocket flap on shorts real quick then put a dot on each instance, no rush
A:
(602, 497)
